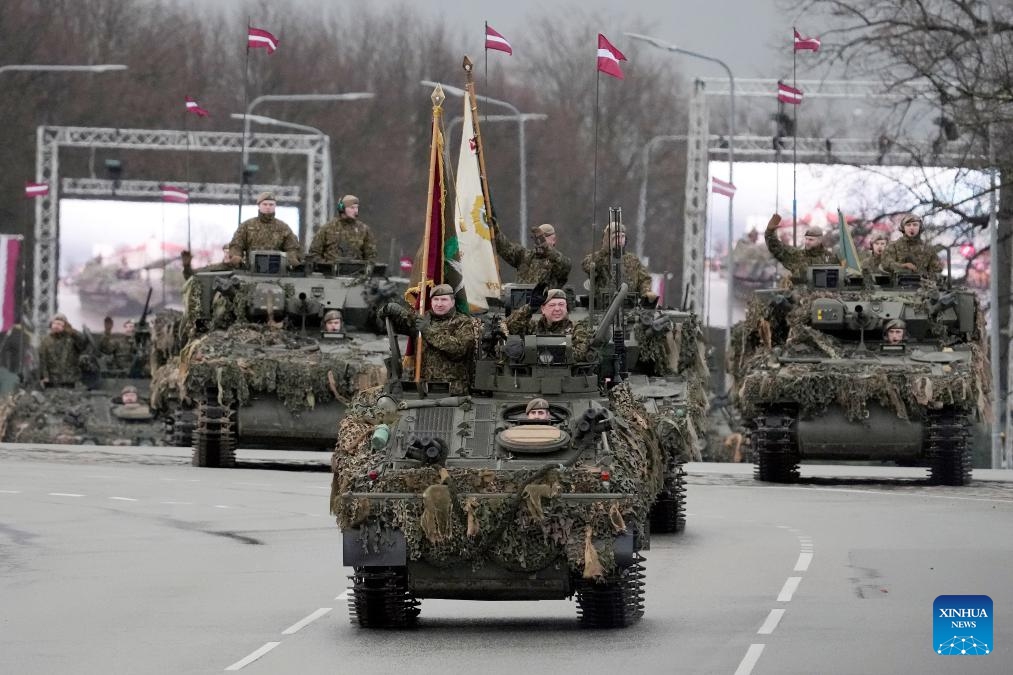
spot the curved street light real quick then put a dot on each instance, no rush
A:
(521, 118)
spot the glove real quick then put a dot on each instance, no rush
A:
(650, 299)
(537, 297)
(422, 324)
(186, 258)
(774, 221)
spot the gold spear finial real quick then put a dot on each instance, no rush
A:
(468, 65)
(438, 96)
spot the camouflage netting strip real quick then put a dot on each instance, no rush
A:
(523, 523)
(67, 416)
(248, 359)
(167, 386)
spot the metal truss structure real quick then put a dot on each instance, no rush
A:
(704, 147)
(51, 139)
(151, 190)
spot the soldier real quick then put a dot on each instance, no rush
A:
(873, 260)
(333, 322)
(60, 354)
(264, 233)
(543, 265)
(448, 338)
(345, 236)
(613, 245)
(538, 409)
(797, 260)
(555, 320)
(894, 331)
(131, 408)
(909, 253)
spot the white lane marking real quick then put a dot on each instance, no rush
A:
(64, 494)
(784, 527)
(789, 588)
(222, 506)
(124, 499)
(10, 492)
(749, 660)
(804, 559)
(177, 503)
(771, 622)
(245, 661)
(255, 484)
(320, 487)
(305, 622)
(343, 595)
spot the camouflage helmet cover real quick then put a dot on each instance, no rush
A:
(331, 315)
(266, 196)
(814, 232)
(909, 218)
(348, 200)
(536, 404)
(555, 294)
(879, 236)
(129, 389)
(895, 323)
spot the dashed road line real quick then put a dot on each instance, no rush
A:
(64, 494)
(302, 623)
(750, 659)
(10, 492)
(789, 588)
(770, 623)
(124, 499)
(343, 595)
(804, 560)
(247, 660)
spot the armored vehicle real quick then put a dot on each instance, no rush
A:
(817, 378)
(467, 497)
(258, 369)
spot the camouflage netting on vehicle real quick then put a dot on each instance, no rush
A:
(768, 333)
(167, 387)
(71, 416)
(247, 359)
(166, 337)
(514, 518)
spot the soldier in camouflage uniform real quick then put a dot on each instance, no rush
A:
(910, 254)
(60, 354)
(797, 260)
(599, 264)
(333, 322)
(894, 332)
(448, 338)
(543, 265)
(873, 260)
(554, 320)
(264, 233)
(345, 236)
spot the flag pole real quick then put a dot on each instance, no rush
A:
(186, 133)
(479, 148)
(794, 147)
(485, 38)
(437, 98)
(246, 105)
(594, 188)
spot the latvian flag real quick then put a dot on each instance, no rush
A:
(494, 40)
(171, 193)
(260, 39)
(806, 43)
(722, 187)
(194, 107)
(790, 95)
(10, 250)
(609, 58)
(33, 190)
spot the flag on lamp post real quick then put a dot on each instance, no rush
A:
(33, 190)
(722, 187)
(802, 44)
(194, 107)
(493, 40)
(171, 193)
(259, 38)
(789, 95)
(10, 252)
(609, 58)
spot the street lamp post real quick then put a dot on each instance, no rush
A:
(645, 159)
(521, 118)
(55, 68)
(660, 44)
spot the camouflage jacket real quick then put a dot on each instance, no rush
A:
(344, 238)
(912, 250)
(797, 260)
(634, 273)
(448, 345)
(873, 262)
(257, 235)
(119, 350)
(542, 265)
(59, 358)
(581, 333)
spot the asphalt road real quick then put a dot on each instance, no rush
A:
(129, 561)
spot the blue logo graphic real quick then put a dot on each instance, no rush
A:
(962, 625)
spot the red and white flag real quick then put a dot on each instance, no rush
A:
(194, 107)
(802, 44)
(260, 39)
(494, 40)
(171, 193)
(33, 190)
(609, 58)
(790, 95)
(10, 251)
(722, 187)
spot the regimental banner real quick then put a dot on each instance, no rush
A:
(10, 252)
(479, 269)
